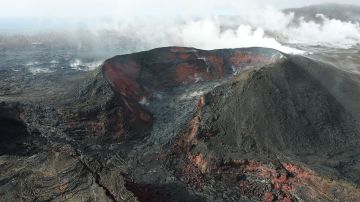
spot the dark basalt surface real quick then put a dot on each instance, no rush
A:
(182, 124)
(278, 124)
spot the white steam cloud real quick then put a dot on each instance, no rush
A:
(207, 34)
(331, 33)
(144, 24)
(232, 26)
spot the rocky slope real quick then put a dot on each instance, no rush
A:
(276, 133)
(182, 124)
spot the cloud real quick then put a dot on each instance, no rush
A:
(225, 24)
(207, 34)
(144, 24)
(96, 8)
(331, 33)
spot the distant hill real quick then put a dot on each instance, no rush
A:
(342, 12)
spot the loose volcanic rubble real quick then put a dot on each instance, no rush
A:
(183, 124)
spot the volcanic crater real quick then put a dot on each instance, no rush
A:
(183, 124)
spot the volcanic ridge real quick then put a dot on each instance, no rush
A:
(183, 124)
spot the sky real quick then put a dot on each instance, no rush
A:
(108, 8)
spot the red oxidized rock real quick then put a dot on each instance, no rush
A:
(268, 197)
(138, 76)
(217, 64)
(123, 78)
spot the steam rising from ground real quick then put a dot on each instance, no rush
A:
(332, 33)
(77, 64)
(207, 34)
(234, 32)
(142, 25)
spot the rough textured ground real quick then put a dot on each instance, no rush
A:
(181, 124)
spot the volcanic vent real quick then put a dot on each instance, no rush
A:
(274, 133)
(182, 124)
